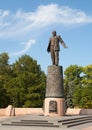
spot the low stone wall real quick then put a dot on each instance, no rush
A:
(10, 111)
(73, 111)
(23, 111)
(2, 112)
(77, 111)
(86, 112)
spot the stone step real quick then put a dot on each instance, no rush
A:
(36, 125)
(34, 121)
(70, 122)
(39, 123)
(78, 123)
(75, 121)
(23, 122)
(76, 118)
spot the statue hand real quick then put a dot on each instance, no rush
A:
(65, 46)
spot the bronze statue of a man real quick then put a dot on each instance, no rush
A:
(54, 48)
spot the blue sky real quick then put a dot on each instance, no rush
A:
(26, 25)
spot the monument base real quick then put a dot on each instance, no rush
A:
(54, 107)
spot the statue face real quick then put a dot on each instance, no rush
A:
(54, 33)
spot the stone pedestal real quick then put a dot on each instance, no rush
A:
(54, 83)
(54, 107)
(54, 97)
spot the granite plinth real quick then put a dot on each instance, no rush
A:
(54, 83)
(54, 107)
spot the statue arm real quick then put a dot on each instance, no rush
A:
(48, 48)
(62, 42)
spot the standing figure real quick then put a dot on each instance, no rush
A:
(54, 48)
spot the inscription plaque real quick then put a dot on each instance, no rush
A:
(52, 106)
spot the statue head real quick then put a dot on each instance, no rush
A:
(54, 33)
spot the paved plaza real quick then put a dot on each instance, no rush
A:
(8, 120)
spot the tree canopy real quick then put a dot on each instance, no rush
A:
(22, 84)
(78, 86)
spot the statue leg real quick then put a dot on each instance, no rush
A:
(56, 57)
(53, 57)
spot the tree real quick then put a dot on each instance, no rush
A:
(27, 85)
(87, 78)
(3, 96)
(5, 71)
(82, 96)
(78, 86)
(71, 80)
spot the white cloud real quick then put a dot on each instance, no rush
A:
(27, 46)
(4, 14)
(59, 14)
(21, 23)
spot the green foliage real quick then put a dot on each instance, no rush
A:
(23, 82)
(71, 80)
(78, 86)
(87, 80)
(73, 72)
(5, 71)
(83, 97)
